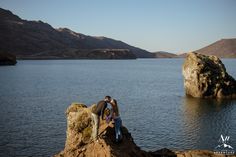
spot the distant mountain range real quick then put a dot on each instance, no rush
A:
(224, 48)
(39, 40)
(163, 54)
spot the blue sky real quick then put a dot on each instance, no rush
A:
(155, 25)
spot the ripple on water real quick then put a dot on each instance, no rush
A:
(35, 94)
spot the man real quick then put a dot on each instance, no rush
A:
(96, 113)
(117, 119)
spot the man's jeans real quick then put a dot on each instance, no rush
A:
(96, 121)
(118, 123)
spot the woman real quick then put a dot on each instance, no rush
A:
(117, 119)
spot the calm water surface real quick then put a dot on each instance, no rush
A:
(35, 94)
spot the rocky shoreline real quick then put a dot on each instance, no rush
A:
(78, 143)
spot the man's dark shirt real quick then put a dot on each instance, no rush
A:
(101, 106)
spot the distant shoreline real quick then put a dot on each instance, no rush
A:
(101, 59)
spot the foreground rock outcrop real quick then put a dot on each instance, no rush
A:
(206, 77)
(7, 59)
(79, 144)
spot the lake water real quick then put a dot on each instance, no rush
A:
(35, 94)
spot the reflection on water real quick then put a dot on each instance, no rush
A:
(35, 94)
(204, 120)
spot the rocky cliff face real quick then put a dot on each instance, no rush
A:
(79, 144)
(7, 59)
(206, 77)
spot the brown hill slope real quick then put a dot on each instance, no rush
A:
(36, 39)
(162, 54)
(224, 48)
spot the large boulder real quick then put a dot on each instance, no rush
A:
(206, 77)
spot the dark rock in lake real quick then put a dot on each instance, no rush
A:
(206, 77)
(7, 59)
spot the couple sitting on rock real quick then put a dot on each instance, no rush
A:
(111, 114)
